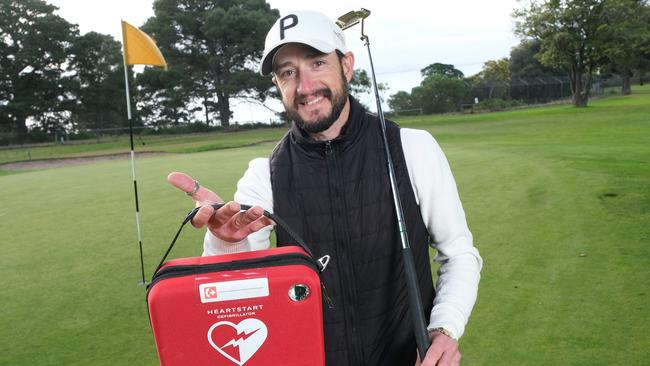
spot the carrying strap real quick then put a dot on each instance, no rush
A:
(321, 263)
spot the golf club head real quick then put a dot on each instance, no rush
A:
(352, 18)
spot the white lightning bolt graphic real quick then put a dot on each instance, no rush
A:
(251, 334)
(235, 343)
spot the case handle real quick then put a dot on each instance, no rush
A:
(321, 263)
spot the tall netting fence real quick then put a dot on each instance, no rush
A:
(537, 90)
(489, 96)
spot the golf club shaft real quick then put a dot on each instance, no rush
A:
(415, 298)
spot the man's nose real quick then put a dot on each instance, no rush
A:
(306, 83)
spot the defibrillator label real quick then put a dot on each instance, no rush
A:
(234, 290)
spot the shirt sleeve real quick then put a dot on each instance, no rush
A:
(254, 189)
(443, 214)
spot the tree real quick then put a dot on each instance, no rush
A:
(401, 101)
(439, 94)
(217, 44)
(524, 64)
(496, 71)
(581, 36)
(164, 99)
(495, 75)
(34, 46)
(442, 90)
(362, 84)
(644, 65)
(96, 61)
(443, 70)
(627, 41)
(570, 33)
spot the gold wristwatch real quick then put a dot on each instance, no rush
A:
(441, 330)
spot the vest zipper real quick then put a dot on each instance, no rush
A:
(342, 245)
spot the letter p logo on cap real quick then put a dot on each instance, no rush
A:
(313, 29)
(284, 25)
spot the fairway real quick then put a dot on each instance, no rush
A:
(558, 200)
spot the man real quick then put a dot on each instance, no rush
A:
(328, 179)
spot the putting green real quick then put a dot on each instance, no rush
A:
(556, 197)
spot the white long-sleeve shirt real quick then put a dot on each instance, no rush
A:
(442, 212)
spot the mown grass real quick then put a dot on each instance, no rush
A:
(144, 143)
(557, 199)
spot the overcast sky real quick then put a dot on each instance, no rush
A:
(405, 35)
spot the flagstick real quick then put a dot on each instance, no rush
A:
(135, 182)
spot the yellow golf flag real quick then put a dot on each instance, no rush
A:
(139, 48)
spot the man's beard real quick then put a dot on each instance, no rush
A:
(321, 124)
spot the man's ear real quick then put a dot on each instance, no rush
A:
(347, 63)
(277, 87)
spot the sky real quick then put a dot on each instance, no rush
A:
(405, 35)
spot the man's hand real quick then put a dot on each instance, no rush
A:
(442, 352)
(227, 223)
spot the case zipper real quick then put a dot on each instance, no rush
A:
(269, 261)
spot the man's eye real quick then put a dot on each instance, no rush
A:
(287, 74)
(319, 63)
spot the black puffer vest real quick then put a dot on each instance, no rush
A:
(336, 194)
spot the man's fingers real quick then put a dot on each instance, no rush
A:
(450, 358)
(456, 359)
(224, 214)
(259, 224)
(432, 357)
(181, 181)
(442, 352)
(251, 215)
(203, 216)
(242, 220)
(187, 184)
(246, 223)
(230, 224)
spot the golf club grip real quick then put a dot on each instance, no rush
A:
(417, 310)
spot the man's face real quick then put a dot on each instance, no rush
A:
(314, 85)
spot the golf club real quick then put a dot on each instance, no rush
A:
(415, 299)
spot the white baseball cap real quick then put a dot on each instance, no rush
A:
(307, 27)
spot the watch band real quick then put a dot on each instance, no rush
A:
(441, 330)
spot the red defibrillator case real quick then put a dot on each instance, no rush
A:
(258, 308)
